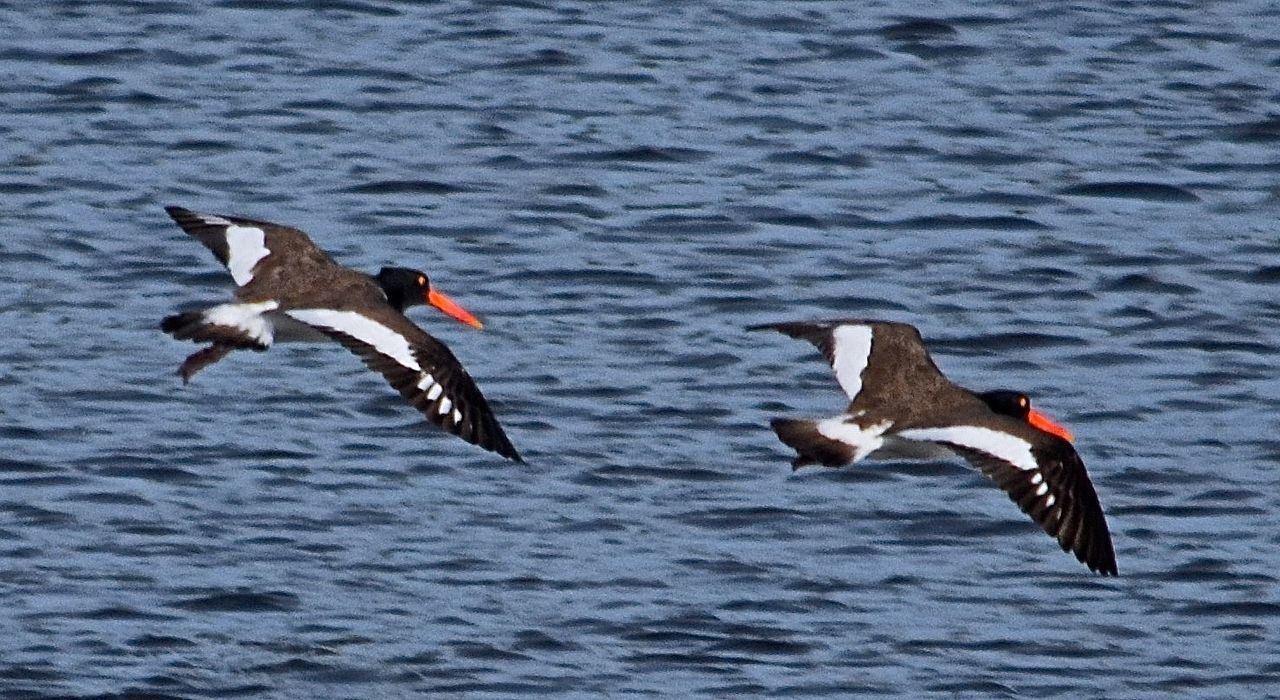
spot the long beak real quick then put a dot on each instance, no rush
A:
(451, 308)
(1042, 422)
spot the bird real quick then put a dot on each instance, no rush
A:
(903, 407)
(289, 290)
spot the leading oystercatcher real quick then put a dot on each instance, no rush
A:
(903, 407)
(287, 289)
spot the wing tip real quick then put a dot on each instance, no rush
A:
(1091, 545)
(1103, 567)
(1103, 561)
(789, 327)
(181, 215)
(505, 448)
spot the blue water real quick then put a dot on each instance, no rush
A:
(1078, 201)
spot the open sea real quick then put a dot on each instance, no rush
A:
(1079, 200)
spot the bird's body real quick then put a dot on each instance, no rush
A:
(288, 290)
(902, 406)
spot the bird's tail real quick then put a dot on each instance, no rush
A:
(811, 446)
(197, 326)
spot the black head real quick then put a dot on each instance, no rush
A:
(1014, 404)
(403, 287)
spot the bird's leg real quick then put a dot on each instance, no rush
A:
(201, 359)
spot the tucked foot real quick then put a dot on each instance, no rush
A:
(201, 359)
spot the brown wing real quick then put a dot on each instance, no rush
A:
(420, 367)
(242, 244)
(877, 363)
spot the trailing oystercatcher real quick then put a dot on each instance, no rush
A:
(904, 407)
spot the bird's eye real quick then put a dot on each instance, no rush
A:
(1023, 402)
(422, 281)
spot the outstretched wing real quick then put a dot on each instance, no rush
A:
(420, 367)
(1044, 475)
(871, 359)
(240, 244)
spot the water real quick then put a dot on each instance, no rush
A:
(1077, 201)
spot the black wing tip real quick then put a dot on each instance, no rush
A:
(817, 324)
(1104, 562)
(180, 214)
(816, 331)
(1102, 567)
(790, 327)
(503, 448)
(1095, 550)
(498, 444)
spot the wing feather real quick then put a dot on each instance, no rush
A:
(415, 364)
(1069, 510)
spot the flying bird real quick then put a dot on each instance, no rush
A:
(902, 406)
(288, 290)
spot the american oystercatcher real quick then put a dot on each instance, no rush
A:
(287, 289)
(903, 407)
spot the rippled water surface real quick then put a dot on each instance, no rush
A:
(1076, 200)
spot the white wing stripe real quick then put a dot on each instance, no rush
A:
(363, 329)
(246, 245)
(850, 351)
(247, 318)
(1000, 445)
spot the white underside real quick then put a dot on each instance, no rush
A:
(896, 447)
(1000, 445)
(932, 443)
(289, 330)
(363, 329)
(246, 318)
(262, 322)
(926, 443)
(863, 440)
(382, 339)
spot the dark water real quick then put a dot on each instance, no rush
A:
(1076, 200)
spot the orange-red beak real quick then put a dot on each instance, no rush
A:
(451, 308)
(1042, 422)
